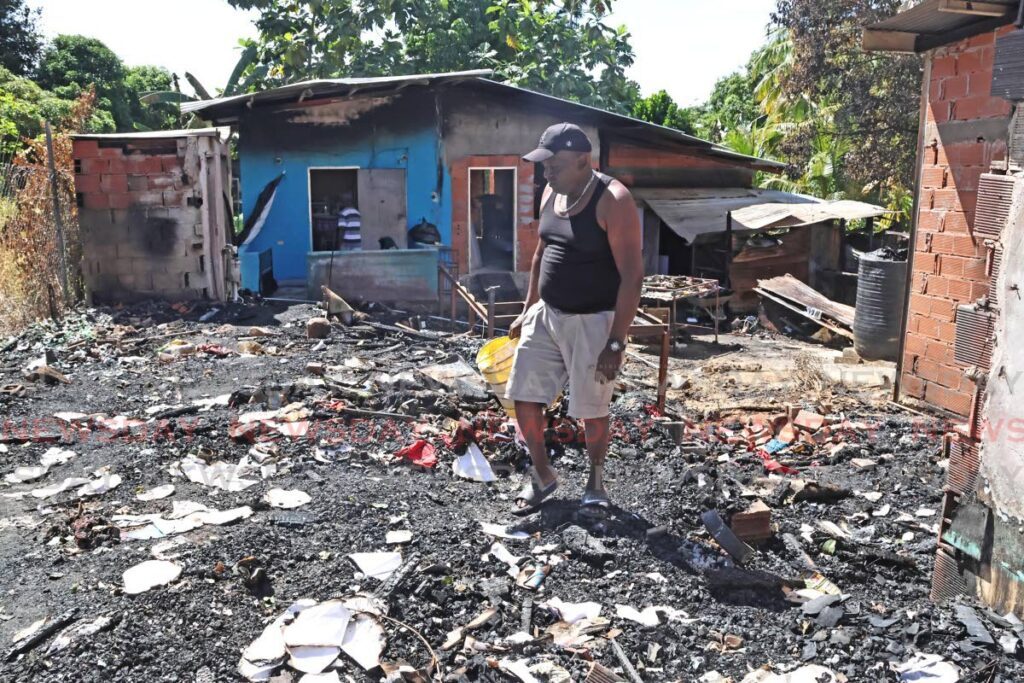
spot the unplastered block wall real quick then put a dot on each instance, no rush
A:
(139, 219)
(965, 132)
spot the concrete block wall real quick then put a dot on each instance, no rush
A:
(965, 133)
(140, 224)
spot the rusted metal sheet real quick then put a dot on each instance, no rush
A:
(947, 581)
(693, 213)
(962, 472)
(995, 195)
(765, 216)
(975, 328)
(790, 288)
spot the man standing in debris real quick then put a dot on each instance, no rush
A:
(584, 290)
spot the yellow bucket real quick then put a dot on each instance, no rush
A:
(495, 363)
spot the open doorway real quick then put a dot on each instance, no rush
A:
(334, 209)
(492, 215)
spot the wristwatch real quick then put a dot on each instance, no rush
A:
(615, 346)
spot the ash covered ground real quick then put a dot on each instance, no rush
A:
(854, 500)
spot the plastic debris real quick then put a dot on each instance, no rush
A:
(149, 574)
(184, 516)
(473, 465)
(377, 565)
(420, 453)
(573, 612)
(502, 532)
(156, 493)
(928, 668)
(398, 536)
(221, 475)
(287, 498)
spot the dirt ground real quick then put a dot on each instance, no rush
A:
(650, 549)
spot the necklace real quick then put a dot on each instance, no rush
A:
(565, 198)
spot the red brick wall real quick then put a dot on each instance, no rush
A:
(526, 225)
(949, 262)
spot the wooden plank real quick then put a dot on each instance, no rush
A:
(873, 40)
(382, 205)
(978, 9)
(792, 289)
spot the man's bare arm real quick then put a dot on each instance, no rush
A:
(620, 220)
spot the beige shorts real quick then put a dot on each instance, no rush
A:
(557, 347)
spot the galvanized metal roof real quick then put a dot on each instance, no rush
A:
(228, 108)
(695, 214)
(930, 23)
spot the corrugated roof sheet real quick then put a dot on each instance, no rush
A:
(694, 213)
(928, 19)
(228, 107)
(221, 131)
(788, 215)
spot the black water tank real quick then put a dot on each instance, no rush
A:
(881, 287)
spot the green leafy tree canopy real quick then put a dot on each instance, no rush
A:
(561, 48)
(20, 41)
(71, 63)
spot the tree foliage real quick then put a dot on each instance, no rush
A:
(157, 116)
(20, 41)
(561, 48)
(24, 106)
(661, 109)
(872, 99)
(71, 63)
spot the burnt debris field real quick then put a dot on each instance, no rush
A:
(196, 494)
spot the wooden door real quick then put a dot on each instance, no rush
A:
(381, 202)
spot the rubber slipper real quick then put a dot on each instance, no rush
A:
(596, 499)
(533, 495)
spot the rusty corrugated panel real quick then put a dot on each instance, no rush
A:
(1008, 70)
(995, 194)
(975, 328)
(602, 674)
(947, 580)
(995, 261)
(962, 472)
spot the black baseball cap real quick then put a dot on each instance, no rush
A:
(560, 137)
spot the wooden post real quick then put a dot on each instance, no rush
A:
(455, 305)
(728, 250)
(440, 293)
(663, 370)
(57, 222)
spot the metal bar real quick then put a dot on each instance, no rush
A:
(897, 383)
(627, 666)
(57, 222)
(663, 369)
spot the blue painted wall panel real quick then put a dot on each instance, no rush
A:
(269, 144)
